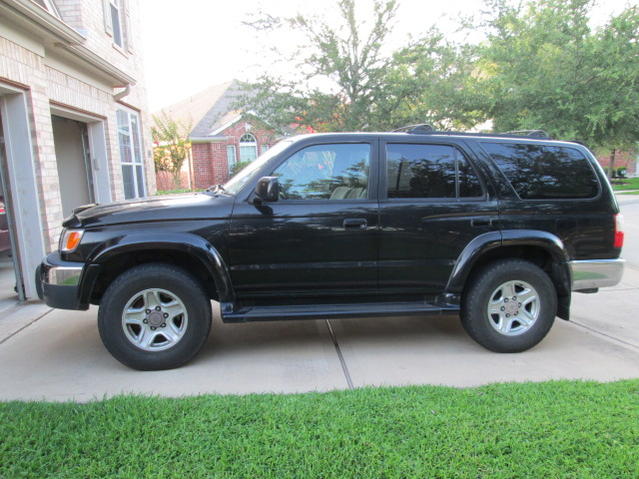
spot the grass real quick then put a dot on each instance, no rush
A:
(628, 184)
(177, 191)
(561, 429)
(629, 192)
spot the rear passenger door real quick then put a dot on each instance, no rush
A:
(433, 201)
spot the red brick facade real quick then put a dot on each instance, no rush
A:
(622, 159)
(210, 163)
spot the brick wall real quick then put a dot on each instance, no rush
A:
(24, 61)
(622, 159)
(210, 163)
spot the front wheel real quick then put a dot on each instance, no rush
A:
(509, 306)
(154, 316)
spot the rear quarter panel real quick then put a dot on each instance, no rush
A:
(585, 226)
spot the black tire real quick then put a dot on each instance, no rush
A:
(476, 297)
(143, 277)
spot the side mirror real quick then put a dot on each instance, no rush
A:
(267, 188)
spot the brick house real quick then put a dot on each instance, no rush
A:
(73, 118)
(221, 135)
(623, 159)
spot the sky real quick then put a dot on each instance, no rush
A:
(192, 44)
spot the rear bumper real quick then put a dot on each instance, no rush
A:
(599, 273)
(58, 282)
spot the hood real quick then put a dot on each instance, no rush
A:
(192, 206)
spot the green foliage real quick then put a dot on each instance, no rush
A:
(239, 166)
(539, 66)
(170, 145)
(347, 58)
(561, 429)
(543, 67)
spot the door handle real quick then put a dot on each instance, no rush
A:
(481, 222)
(355, 223)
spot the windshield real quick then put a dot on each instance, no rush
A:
(235, 184)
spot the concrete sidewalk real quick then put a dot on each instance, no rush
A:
(60, 357)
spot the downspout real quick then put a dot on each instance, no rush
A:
(121, 94)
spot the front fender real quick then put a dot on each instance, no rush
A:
(188, 243)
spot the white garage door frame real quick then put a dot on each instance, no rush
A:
(23, 187)
(98, 152)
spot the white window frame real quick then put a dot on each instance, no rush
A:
(137, 160)
(231, 156)
(248, 144)
(120, 27)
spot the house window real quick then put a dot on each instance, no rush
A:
(116, 22)
(230, 157)
(264, 147)
(131, 154)
(248, 147)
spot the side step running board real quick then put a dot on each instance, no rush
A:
(334, 311)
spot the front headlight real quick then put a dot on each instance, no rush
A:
(69, 240)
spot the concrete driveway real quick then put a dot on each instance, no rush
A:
(57, 355)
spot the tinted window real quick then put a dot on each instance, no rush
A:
(429, 171)
(540, 172)
(325, 172)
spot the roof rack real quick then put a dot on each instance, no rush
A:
(425, 129)
(529, 134)
(420, 128)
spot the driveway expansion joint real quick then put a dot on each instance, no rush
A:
(605, 335)
(340, 356)
(4, 340)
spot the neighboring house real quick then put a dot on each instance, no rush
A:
(73, 116)
(221, 135)
(623, 159)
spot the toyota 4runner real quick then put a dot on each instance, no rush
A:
(499, 229)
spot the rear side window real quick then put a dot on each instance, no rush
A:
(545, 172)
(429, 171)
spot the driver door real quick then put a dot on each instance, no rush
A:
(320, 236)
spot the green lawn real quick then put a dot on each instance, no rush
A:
(628, 184)
(174, 192)
(550, 430)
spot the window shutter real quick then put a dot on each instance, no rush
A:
(106, 11)
(128, 33)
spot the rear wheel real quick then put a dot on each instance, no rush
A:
(509, 306)
(154, 316)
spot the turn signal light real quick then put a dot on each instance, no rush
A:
(70, 240)
(618, 238)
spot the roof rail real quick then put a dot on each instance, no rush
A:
(420, 128)
(425, 129)
(529, 134)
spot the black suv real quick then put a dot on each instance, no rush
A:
(498, 228)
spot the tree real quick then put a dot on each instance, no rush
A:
(170, 145)
(543, 67)
(348, 63)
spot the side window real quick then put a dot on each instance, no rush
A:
(545, 172)
(230, 157)
(130, 154)
(326, 172)
(429, 171)
(117, 23)
(248, 148)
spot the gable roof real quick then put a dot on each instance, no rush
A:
(207, 110)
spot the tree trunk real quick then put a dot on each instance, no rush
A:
(177, 179)
(611, 168)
